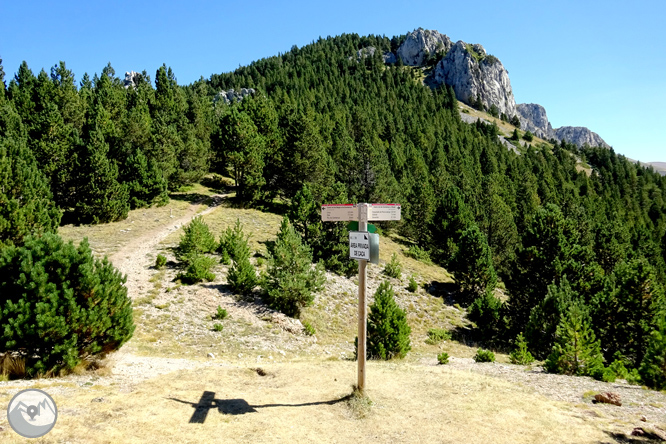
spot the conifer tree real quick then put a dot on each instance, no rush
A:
(653, 367)
(242, 277)
(290, 279)
(100, 197)
(240, 145)
(629, 308)
(144, 181)
(26, 205)
(473, 265)
(72, 308)
(387, 330)
(576, 350)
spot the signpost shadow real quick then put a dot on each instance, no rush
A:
(208, 402)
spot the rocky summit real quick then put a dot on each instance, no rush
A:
(474, 74)
(477, 76)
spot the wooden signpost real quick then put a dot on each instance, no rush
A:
(359, 243)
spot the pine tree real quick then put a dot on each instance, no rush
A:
(73, 307)
(241, 147)
(26, 205)
(290, 280)
(629, 309)
(576, 350)
(473, 265)
(242, 278)
(653, 367)
(196, 240)
(541, 328)
(520, 355)
(144, 181)
(387, 329)
(100, 197)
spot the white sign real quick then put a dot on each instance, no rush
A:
(339, 212)
(359, 245)
(384, 212)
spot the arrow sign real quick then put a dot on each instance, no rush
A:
(384, 211)
(338, 212)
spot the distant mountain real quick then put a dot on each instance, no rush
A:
(476, 76)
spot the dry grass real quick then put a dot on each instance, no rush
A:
(311, 402)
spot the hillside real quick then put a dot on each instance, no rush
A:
(562, 245)
(267, 380)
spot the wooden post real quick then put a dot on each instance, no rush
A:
(362, 306)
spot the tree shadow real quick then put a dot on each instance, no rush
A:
(448, 291)
(193, 198)
(208, 402)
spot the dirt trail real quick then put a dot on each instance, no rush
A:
(133, 259)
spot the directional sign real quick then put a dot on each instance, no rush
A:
(359, 245)
(384, 211)
(338, 212)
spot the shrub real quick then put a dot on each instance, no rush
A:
(528, 136)
(388, 331)
(197, 239)
(437, 335)
(443, 358)
(393, 269)
(413, 285)
(520, 355)
(486, 313)
(242, 277)
(198, 269)
(59, 306)
(576, 350)
(419, 254)
(218, 327)
(161, 261)
(653, 368)
(484, 356)
(290, 281)
(309, 329)
(234, 244)
(515, 136)
(220, 314)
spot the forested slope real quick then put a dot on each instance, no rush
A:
(327, 127)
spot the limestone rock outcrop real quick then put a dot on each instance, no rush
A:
(472, 73)
(233, 96)
(580, 136)
(533, 118)
(389, 57)
(420, 44)
(131, 79)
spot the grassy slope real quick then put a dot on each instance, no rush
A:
(301, 398)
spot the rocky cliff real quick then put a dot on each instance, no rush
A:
(580, 136)
(422, 44)
(472, 73)
(533, 118)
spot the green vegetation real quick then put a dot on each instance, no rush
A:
(325, 128)
(198, 269)
(309, 329)
(484, 356)
(393, 268)
(520, 355)
(413, 285)
(196, 240)
(290, 280)
(73, 308)
(437, 335)
(220, 314)
(218, 327)
(388, 331)
(160, 261)
(443, 358)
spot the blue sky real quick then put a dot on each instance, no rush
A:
(599, 64)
